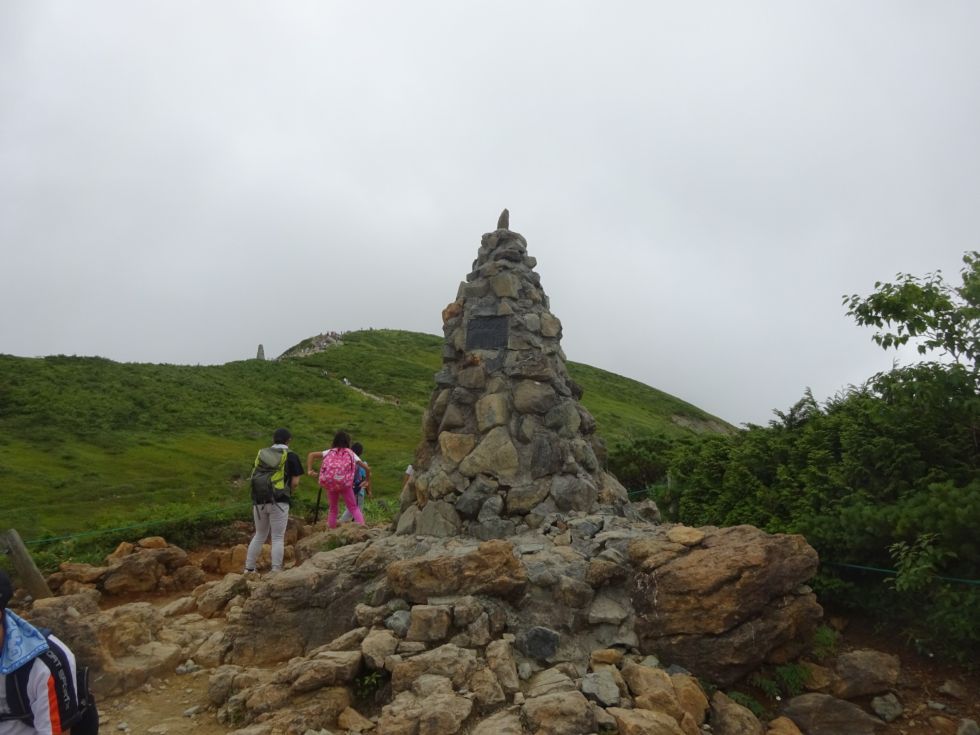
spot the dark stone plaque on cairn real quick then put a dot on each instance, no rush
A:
(486, 333)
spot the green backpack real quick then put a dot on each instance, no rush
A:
(269, 477)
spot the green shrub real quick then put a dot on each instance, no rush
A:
(824, 643)
(368, 684)
(766, 684)
(917, 562)
(787, 680)
(749, 702)
(884, 475)
(379, 511)
(792, 679)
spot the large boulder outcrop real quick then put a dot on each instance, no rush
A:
(149, 565)
(491, 569)
(693, 597)
(822, 714)
(727, 603)
(123, 646)
(864, 672)
(298, 609)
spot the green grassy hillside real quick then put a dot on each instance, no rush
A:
(87, 443)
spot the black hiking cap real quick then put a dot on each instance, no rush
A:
(281, 436)
(6, 589)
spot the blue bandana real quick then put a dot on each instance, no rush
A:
(22, 642)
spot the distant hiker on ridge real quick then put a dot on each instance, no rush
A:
(275, 474)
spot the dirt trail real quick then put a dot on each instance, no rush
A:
(372, 396)
(176, 705)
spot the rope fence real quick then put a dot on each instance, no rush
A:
(894, 572)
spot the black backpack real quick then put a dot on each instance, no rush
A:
(268, 478)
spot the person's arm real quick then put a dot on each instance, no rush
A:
(367, 476)
(366, 482)
(295, 469)
(309, 461)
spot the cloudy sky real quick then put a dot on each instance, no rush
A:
(700, 182)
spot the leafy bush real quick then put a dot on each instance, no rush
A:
(886, 473)
(824, 643)
(749, 702)
(917, 562)
(884, 476)
(367, 685)
(792, 679)
(785, 681)
(766, 684)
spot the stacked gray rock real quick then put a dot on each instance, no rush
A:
(506, 442)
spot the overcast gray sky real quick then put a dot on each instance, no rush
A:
(700, 182)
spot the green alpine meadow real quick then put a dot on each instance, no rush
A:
(96, 448)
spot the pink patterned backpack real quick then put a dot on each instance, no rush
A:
(337, 470)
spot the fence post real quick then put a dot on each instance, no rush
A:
(28, 573)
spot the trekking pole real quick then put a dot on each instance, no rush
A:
(316, 513)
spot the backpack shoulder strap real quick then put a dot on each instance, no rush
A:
(64, 682)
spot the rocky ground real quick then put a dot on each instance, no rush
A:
(925, 684)
(178, 704)
(311, 636)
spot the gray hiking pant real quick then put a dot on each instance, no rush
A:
(268, 517)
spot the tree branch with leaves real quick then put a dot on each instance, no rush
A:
(937, 315)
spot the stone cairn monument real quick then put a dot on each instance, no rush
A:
(506, 442)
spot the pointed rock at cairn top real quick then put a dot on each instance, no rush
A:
(503, 221)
